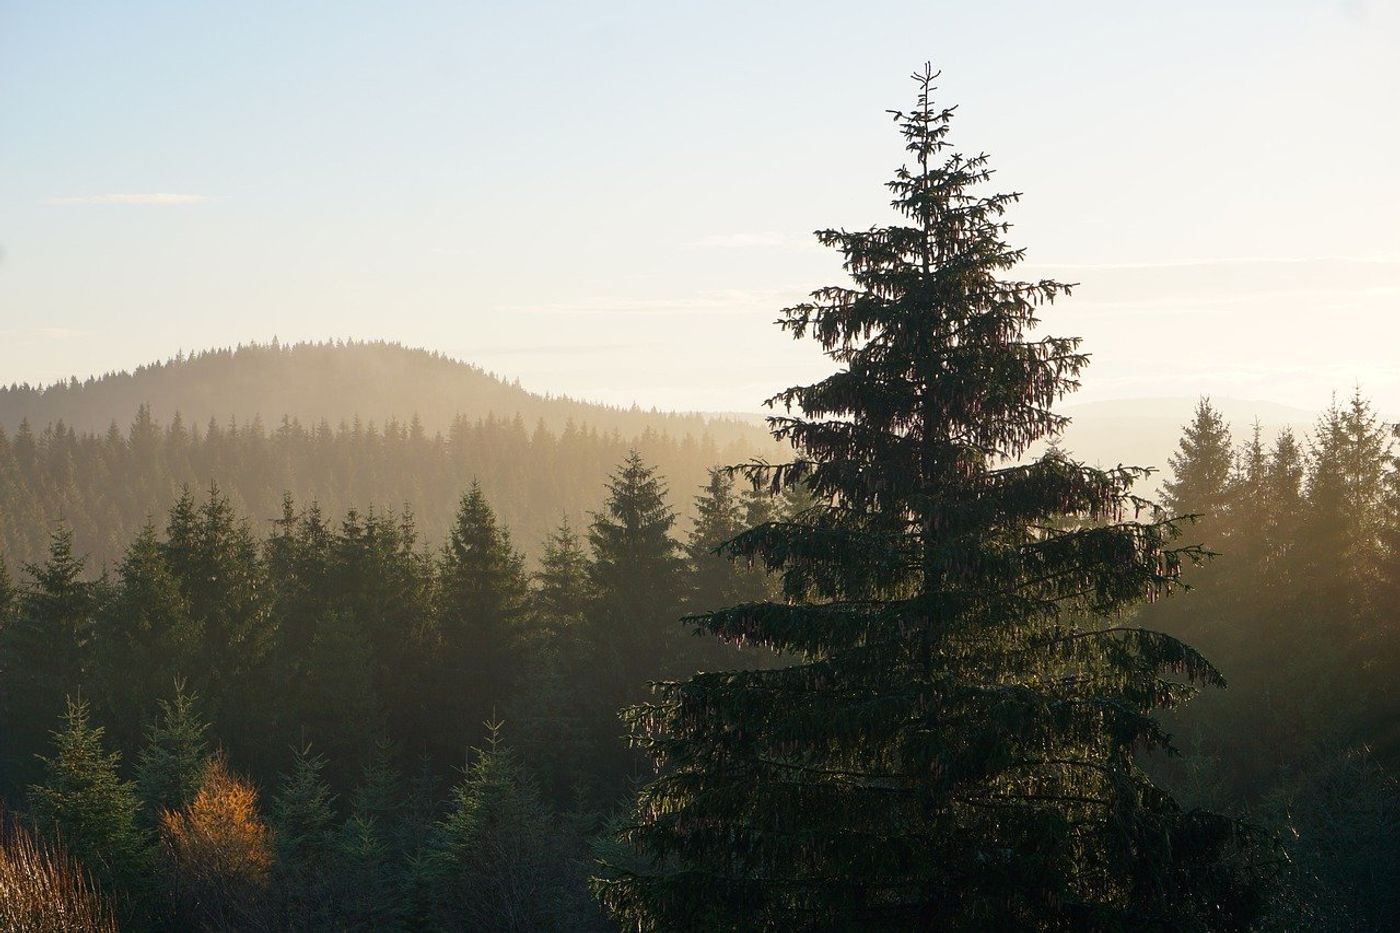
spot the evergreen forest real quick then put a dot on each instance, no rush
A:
(900, 663)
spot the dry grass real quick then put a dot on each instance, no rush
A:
(45, 890)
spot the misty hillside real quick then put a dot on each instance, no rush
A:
(332, 424)
(335, 381)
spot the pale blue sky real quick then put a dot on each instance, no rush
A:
(613, 199)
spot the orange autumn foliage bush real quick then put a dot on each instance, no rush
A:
(44, 890)
(218, 851)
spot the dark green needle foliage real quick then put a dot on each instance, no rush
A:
(498, 861)
(482, 587)
(952, 742)
(175, 756)
(145, 639)
(7, 595)
(84, 802)
(43, 650)
(636, 577)
(303, 819)
(1203, 465)
(719, 516)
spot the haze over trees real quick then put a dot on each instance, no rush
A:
(912, 675)
(270, 731)
(350, 425)
(1298, 611)
(341, 380)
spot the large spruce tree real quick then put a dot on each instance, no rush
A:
(953, 742)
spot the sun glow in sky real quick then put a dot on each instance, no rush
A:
(613, 200)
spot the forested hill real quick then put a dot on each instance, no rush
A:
(330, 423)
(335, 381)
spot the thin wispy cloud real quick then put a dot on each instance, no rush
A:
(559, 349)
(1361, 296)
(731, 301)
(160, 198)
(1220, 261)
(46, 333)
(768, 239)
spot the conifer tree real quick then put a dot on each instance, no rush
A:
(342, 707)
(1345, 488)
(214, 557)
(1202, 467)
(1250, 484)
(382, 580)
(83, 802)
(216, 854)
(498, 863)
(297, 557)
(43, 654)
(1390, 525)
(378, 797)
(481, 599)
(373, 848)
(368, 893)
(302, 814)
(305, 840)
(560, 596)
(952, 745)
(716, 580)
(1209, 484)
(7, 593)
(636, 579)
(173, 761)
(759, 505)
(551, 731)
(145, 641)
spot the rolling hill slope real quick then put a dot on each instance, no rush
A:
(336, 381)
(348, 425)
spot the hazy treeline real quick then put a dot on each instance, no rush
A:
(1301, 612)
(338, 381)
(271, 731)
(106, 486)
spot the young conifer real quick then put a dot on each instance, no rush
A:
(83, 802)
(172, 763)
(44, 654)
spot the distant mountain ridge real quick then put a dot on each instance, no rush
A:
(335, 381)
(379, 381)
(349, 425)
